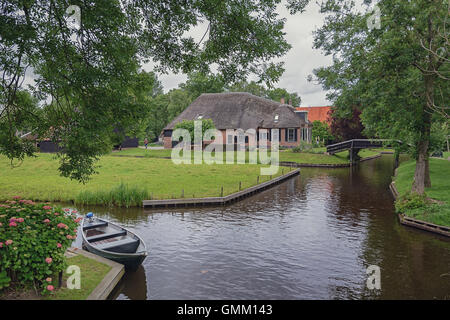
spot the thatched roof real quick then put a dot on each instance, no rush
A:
(233, 110)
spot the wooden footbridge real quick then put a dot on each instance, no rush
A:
(355, 145)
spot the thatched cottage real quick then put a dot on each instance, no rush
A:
(237, 110)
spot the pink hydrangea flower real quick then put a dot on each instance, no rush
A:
(59, 245)
(74, 211)
(56, 214)
(48, 279)
(1, 244)
(66, 209)
(77, 220)
(48, 260)
(50, 287)
(46, 207)
(8, 242)
(16, 197)
(13, 224)
(20, 220)
(62, 226)
(46, 221)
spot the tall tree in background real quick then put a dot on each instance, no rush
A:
(346, 127)
(200, 82)
(393, 62)
(85, 69)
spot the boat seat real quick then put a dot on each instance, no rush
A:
(95, 225)
(128, 245)
(105, 236)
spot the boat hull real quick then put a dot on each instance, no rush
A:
(131, 261)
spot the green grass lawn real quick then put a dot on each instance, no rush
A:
(317, 155)
(92, 273)
(38, 179)
(440, 186)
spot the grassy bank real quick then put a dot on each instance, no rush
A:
(435, 207)
(92, 273)
(124, 178)
(315, 156)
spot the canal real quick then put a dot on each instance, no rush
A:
(312, 237)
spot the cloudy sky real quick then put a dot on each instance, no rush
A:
(299, 61)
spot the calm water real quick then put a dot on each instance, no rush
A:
(311, 237)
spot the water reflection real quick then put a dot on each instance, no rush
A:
(310, 237)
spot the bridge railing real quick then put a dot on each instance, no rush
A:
(356, 144)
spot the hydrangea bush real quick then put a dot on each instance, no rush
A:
(33, 240)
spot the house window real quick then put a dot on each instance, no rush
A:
(291, 135)
(276, 118)
(230, 139)
(263, 135)
(305, 134)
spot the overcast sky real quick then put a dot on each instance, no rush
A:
(299, 61)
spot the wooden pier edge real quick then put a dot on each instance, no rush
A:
(220, 200)
(419, 224)
(109, 282)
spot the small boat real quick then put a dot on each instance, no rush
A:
(113, 242)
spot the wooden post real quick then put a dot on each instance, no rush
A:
(60, 279)
(240, 185)
(221, 191)
(182, 193)
(257, 180)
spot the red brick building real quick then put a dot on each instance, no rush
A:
(316, 113)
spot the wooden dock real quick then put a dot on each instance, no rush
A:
(415, 223)
(220, 201)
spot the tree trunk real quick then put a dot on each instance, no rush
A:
(427, 181)
(421, 169)
(422, 174)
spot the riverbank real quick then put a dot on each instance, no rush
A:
(126, 181)
(435, 206)
(310, 157)
(127, 177)
(99, 276)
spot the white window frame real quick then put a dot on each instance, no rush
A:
(289, 131)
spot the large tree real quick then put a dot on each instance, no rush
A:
(84, 70)
(386, 61)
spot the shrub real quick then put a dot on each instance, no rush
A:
(411, 201)
(33, 240)
(121, 195)
(302, 147)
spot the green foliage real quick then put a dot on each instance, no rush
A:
(33, 240)
(259, 90)
(189, 125)
(392, 72)
(4, 279)
(303, 147)
(122, 195)
(91, 73)
(410, 201)
(199, 82)
(321, 132)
